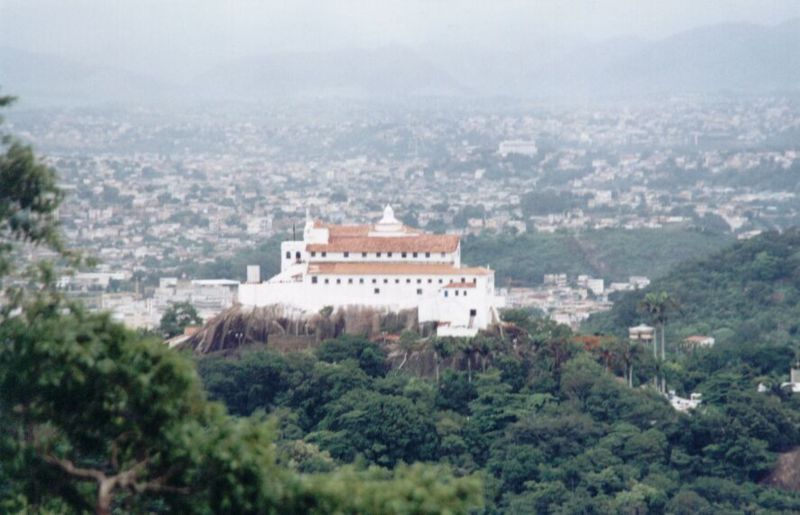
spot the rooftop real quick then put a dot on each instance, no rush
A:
(416, 243)
(339, 268)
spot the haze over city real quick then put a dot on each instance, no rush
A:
(145, 51)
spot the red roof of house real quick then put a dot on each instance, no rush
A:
(344, 231)
(420, 243)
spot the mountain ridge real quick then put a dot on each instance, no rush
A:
(728, 57)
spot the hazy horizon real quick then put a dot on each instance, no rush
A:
(170, 40)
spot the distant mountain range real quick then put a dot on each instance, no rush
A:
(720, 58)
(386, 72)
(742, 58)
(42, 79)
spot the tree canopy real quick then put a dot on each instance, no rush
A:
(178, 317)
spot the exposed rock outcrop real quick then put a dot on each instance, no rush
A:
(286, 329)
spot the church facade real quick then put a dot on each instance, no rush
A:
(386, 266)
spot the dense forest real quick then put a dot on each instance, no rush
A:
(543, 416)
(748, 293)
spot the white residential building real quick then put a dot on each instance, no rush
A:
(522, 147)
(386, 266)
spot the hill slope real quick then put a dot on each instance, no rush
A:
(613, 254)
(746, 293)
(383, 72)
(44, 79)
(729, 57)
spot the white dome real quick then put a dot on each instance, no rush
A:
(388, 216)
(388, 225)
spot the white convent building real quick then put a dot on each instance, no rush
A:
(386, 266)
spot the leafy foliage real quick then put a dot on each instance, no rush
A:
(177, 317)
(748, 293)
(613, 254)
(548, 424)
(29, 199)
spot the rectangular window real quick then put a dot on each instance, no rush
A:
(465, 293)
(338, 281)
(414, 254)
(313, 253)
(386, 281)
(314, 279)
(456, 293)
(463, 280)
(440, 281)
(474, 280)
(377, 290)
(346, 254)
(403, 254)
(473, 312)
(326, 281)
(419, 291)
(408, 281)
(419, 281)
(363, 254)
(427, 254)
(350, 281)
(324, 254)
(288, 255)
(445, 293)
(374, 281)
(443, 254)
(388, 254)
(361, 280)
(377, 254)
(430, 281)
(397, 281)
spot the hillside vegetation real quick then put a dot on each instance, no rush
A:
(748, 293)
(549, 424)
(613, 254)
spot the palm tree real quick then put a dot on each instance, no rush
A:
(608, 351)
(406, 343)
(659, 306)
(627, 352)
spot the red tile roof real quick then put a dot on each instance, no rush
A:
(422, 243)
(339, 268)
(344, 231)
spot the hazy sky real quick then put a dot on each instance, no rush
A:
(177, 36)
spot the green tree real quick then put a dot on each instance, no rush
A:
(386, 429)
(90, 403)
(29, 199)
(177, 317)
(659, 306)
(371, 359)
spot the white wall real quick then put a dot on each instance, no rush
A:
(393, 295)
(292, 247)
